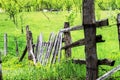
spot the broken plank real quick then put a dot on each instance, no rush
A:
(106, 62)
(102, 23)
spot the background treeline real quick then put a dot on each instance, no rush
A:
(13, 7)
(38, 5)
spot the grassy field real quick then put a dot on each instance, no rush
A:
(52, 22)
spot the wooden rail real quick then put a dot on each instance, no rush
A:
(98, 24)
(109, 73)
(82, 42)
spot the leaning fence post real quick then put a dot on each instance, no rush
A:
(0, 67)
(16, 43)
(5, 44)
(30, 49)
(67, 39)
(28, 42)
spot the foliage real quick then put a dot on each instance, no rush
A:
(27, 71)
(71, 17)
(107, 4)
(11, 8)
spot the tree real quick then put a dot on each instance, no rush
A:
(11, 8)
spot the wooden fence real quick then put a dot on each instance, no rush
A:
(49, 52)
(89, 25)
(43, 51)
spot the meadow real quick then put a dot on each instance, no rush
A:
(46, 23)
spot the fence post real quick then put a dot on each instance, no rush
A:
(5, 44)
(118, 26)
(90, 40)
(67, 39)
(16, 44)
(29, 42)
(0, 67)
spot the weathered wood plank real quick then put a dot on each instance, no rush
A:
(60, 53)
(67, 37)
(54, 49)
(90, 40)
(75, 44)
(45, 50)
(109, 73)
(48, 52)
(36, 51)
(40, 51)
(106, 62)
(58, 46)
(98, 24)
(82, 42)
(102, 23)
(78, 27)
(30, 49)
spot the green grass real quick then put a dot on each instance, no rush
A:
(39, 23)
